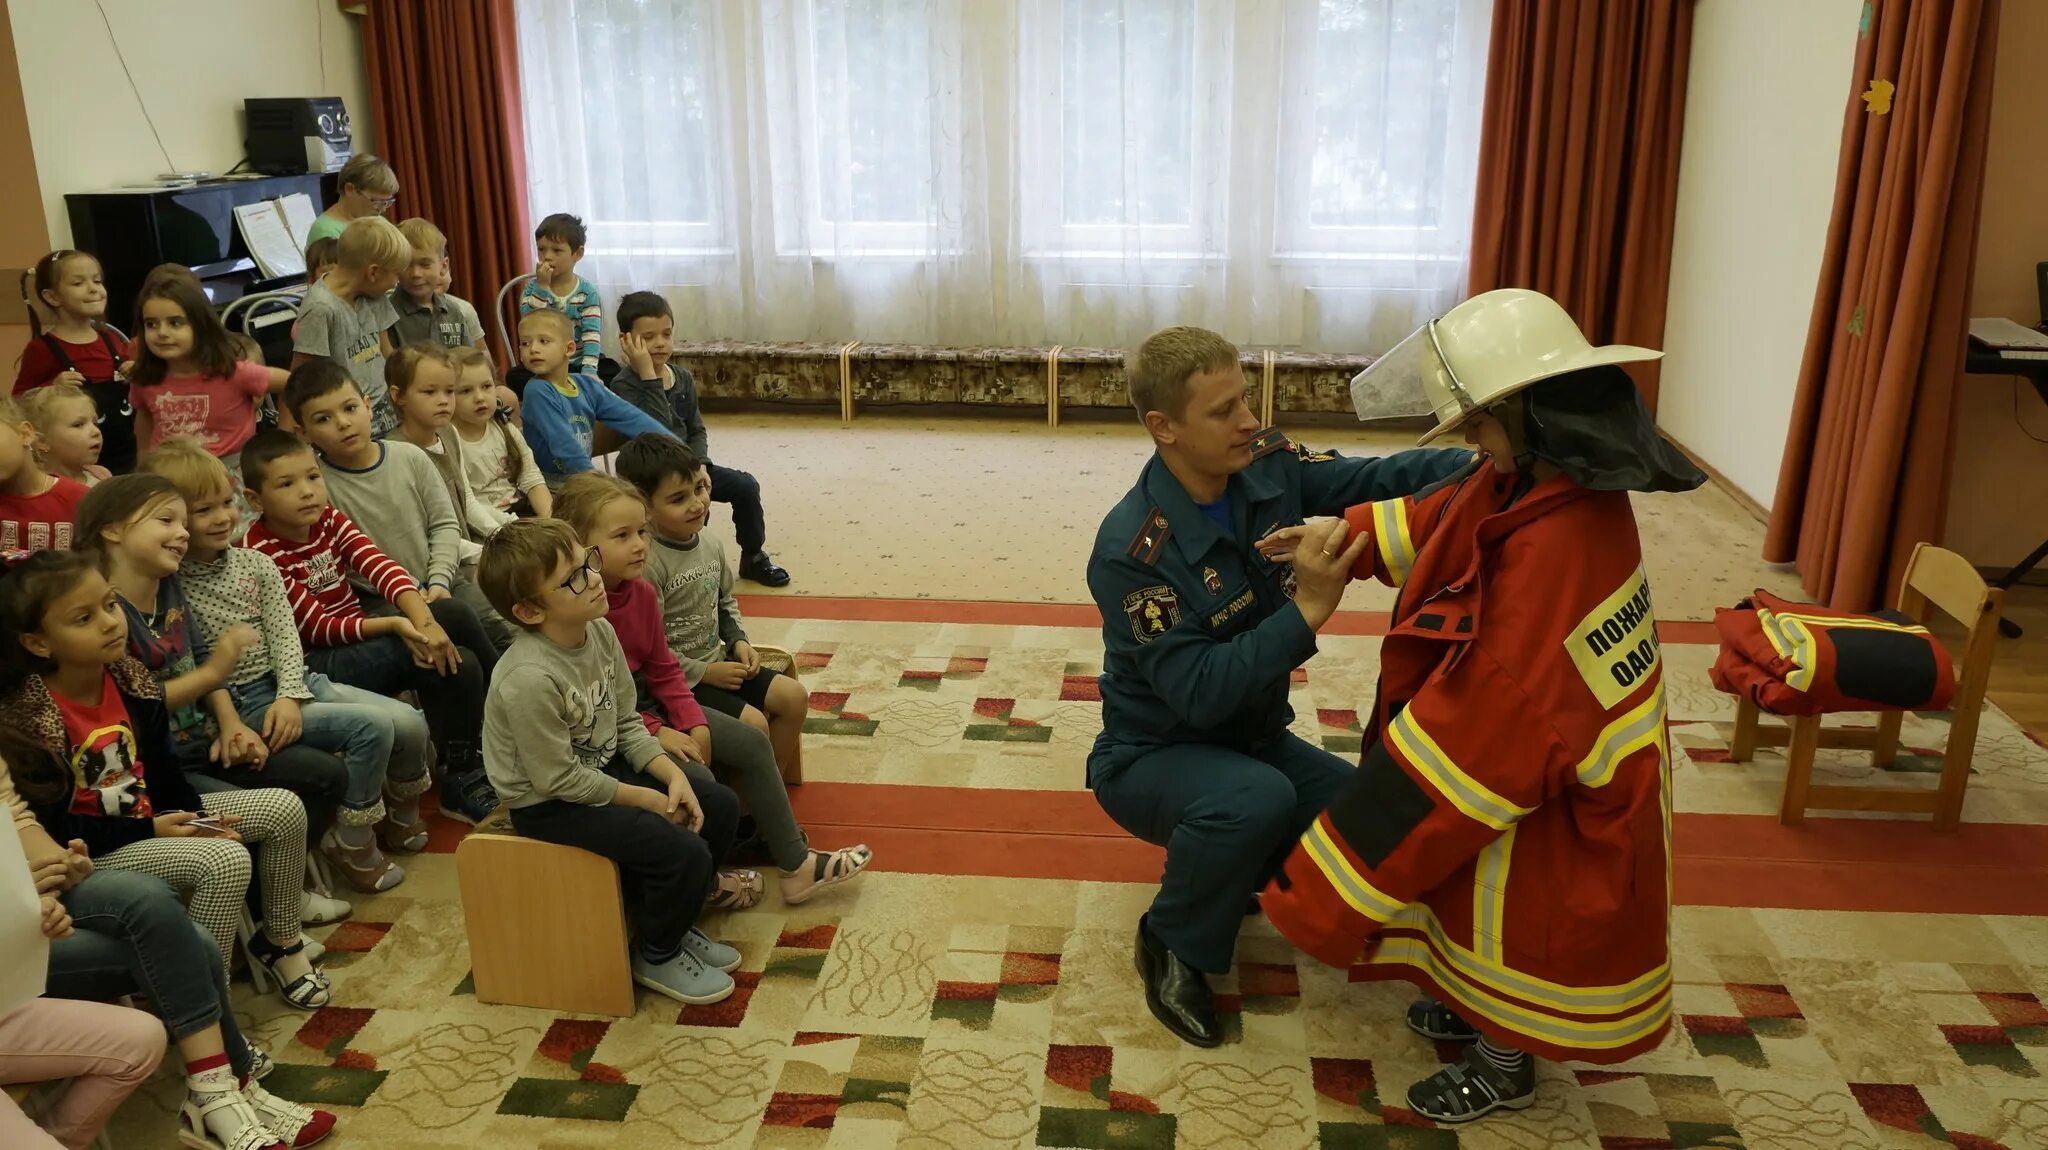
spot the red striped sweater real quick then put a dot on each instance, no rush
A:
(316, 576)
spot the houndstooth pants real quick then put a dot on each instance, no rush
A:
(214, 872)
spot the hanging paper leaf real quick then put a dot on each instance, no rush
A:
(1856, 321)
(1863, 21)
(1878, 100)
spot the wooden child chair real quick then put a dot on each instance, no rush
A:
(546, 927)
(1936, 579)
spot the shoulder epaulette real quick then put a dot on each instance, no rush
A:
(1269, 441)
(1150, 539)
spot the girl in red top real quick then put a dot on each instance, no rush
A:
(187, 381)
(87, 741)
(80, 347)
(611, 517)
(36, 508)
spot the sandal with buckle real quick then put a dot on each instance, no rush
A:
(737, 889)
(252, 1134)
(293, 1125)
(827, 869)
(1433, 1020)
(309, 991)
(364, 868)
(403, 838)
(1472, 1087)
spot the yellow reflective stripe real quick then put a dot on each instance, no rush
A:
(1490, 896)
(1397, 546)
(1465, 792)
(1623, 737)
(1364, 897)
(1830, 622)
(1568, 1032)
(1502, 979)
(1790, 639)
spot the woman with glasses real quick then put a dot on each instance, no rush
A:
(368, 188)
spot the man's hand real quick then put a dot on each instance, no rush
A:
(1280, 546)
(744, 654)
(726, 676)
(1322, 566)
(634, 348)
(282, 724)
(56, 920)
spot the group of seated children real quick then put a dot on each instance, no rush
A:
(216, 635)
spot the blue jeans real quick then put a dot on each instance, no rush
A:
(381, 741)
(132, 936)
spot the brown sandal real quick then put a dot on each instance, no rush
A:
(364, 869)
(737, 889)
(403, 838)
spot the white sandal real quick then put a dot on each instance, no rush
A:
(828, 869)
(290, 1123)
(253, 1135)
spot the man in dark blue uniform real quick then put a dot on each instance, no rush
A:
(1201, 636)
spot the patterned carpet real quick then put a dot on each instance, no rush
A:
(1838, 986)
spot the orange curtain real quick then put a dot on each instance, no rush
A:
(444, 83)
(1867, 457)
(1578, 161)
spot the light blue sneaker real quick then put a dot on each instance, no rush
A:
(716, 955)
(684, 978)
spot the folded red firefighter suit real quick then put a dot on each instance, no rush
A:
(1505, 842)
(1804, 659)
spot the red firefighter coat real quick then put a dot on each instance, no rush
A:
(1805, 659)
(1505, 842)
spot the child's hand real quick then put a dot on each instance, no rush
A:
(431, 647)
(682, 804)
(79, 858)
(726, 676)
(680, 747)
(237, 745)
(175, 824)
(56, 920)
(434, 594)
(282, 724)
(70, 376)
(51, 875)
(634, 348)
(545, 273)
(743, 654)
(230, 644)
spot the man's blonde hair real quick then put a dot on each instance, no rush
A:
(1158, 372)
(585, 495)
(372, 240)
(517, 560)
(196, 472)
(549, 315)
(423, 236)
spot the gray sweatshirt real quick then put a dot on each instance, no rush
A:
(557, 715)
(402, 504)
(697, 608)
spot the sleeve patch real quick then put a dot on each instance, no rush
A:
(1153, 611)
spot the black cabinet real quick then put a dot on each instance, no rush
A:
(133, 231)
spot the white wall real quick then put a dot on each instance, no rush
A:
(1767, 86)
(194, 61)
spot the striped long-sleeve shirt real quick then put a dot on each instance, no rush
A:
(584, 307)
(316, 576)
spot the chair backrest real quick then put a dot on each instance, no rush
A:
(1938, 579)
(508, 294)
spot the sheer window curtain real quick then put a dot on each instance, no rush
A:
(1292, 173)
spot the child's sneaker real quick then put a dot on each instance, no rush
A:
(684, 978)
(713, 954)
(468, 797)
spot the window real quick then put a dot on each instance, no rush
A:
(1367, 162)
(1117, 108)
(629, 140)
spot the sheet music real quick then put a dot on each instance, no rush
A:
(269, 239)
(299, 215)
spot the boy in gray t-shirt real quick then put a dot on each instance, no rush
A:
(347, 314)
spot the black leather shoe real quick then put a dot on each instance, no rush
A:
(1177, 993)
(758, 567)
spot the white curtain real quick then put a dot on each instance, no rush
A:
(1293, 173)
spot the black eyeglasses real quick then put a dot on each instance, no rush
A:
(579, 580)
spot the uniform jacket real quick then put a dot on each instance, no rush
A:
(1505, 843)
(1199, 631)
(1805, 659)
